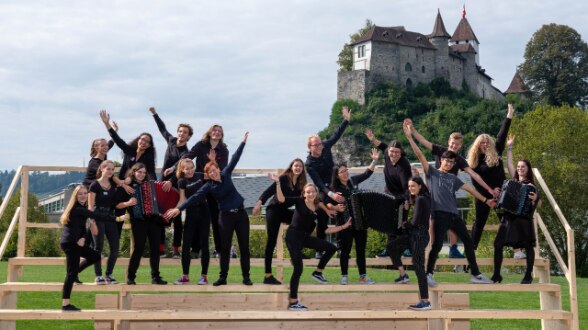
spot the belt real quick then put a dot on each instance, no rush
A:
(236, 210)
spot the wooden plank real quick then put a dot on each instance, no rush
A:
(284, 325)
(24, 204)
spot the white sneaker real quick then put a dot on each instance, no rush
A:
(480, 279)
(344, 280)
(520, 254)
(431, 281)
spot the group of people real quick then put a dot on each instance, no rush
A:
(208, 196)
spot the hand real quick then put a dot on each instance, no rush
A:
(369, 134)
(94, 228)
(331, 213)
(82, 242)
(168, 171)
(407, 130)
(245, 137)
(105, 118)
(533, 197)
(407, 122)
(375, 154)
(346, 113)
(167, 186)
(132, 201)
(510, 141)
(114, 126)
(128, 189)
(496, 192)
(491, 203)
(337, 197)
(152, 110)
(511, 111)
(273, 176)
(171, 213)
(211, 155)
(257, 208)
(125, 217)
(347, 224)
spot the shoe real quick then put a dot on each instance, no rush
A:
(271, 280)
(527, 280)
(203, 280)
(383, 254)
(110, 280)
(421, 306)
(402, 279)
(176, 255)
(158, 281)
(520, 254)
(431, 281)
(162, 254)
(496, 278)
(77, 281)
(70, 308)
(480, 279)
(407, 253)
(297, 306)
(220, 281)
(454, 252)
(365, 280)
(100, 280)
(319, 278)
(247, 281)
(318, 255)
(215, 254)
(184, 279)
(131, 282)
(344, 280)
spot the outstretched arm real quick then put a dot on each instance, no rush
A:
(417, 151)
(510, 144)
(424, 142)
(328, 143)
(490, 202)
(502, 134)
(476, 177)
(161, 125)
(237, 155)
(370, 135)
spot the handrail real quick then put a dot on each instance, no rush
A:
(570, 269)
(10, 191)
(9, 232)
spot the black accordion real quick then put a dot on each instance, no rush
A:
(514, 198)
(152, 201)
(371, 209)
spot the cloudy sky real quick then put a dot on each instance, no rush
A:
(259, 65)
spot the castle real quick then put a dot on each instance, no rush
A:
(393, 54)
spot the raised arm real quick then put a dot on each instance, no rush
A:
(370, 135)
(503, 133)
(328, 143)
(417, 151)
(359, 178)
(236, 155)
(424, 142)
(127, 149)
(161, 125)
(509, 161)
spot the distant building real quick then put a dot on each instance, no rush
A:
(393, 54)
(517, 87)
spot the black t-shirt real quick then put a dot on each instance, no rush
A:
(304, 219)
(460, 162)
(105, 198)
(287, 189)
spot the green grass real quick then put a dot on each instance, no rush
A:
(481, 300)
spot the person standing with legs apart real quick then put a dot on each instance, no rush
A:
(516, 230)
(443, 186)
(73, 241)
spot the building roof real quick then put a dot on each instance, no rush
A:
(464, 32)
(439, 28)
(463, 48)
(483, 72)
(396, 35)
(517, 86)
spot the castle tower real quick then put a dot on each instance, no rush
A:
(517, 86)
(439, 38)
(464, 35)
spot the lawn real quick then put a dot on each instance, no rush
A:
(518, 300)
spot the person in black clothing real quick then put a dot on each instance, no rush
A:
(197, 221)
(344, 185)
(298, 237)
(147, 227)
(140, 150)
(176, 147)
(485, 158)
(416, 238)
(73, 241)
(233, 217)
(319, 164)
(517, 231)
(294, 180)
(102, 198)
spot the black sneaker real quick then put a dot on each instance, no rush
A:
(402, 279)
(247, 281)
(220, 281)
(383, 254)
(176, 255)
(70, 308)
(158, 280)
(77, 281)
(131, 282)
(297, 306)
(319, 278)
(421, 306)
(271, 280)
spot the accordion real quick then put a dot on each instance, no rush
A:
(375, 210)
(514, 198)
(152, 201)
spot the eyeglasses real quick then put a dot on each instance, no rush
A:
(316, 144)
(450, 161)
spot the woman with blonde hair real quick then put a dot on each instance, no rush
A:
(485, 158)
(73, 241)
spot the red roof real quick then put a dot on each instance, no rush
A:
(396, 35)
(463, 48)
(517, 86)
(464, 31)
(439, 28)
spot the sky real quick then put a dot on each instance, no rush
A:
(268, 67)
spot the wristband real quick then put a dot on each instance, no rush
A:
(485, 200)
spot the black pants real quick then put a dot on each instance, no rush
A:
(273, 219)
(443, 222)
(110, 230)
(482, 212)
(499, 249)
(143, 230)
(346, 238)
(197, 227)
(295, 241)
(73, 252)
(214, 221)
(237, 222)
(416, 240)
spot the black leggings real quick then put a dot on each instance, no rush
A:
(482, 213)
(296, 240)
(274, 217)
(416, 241)
(346, 238)
(237, 222)
(73, 252)
(498, 252)
(110, 230)
(215, 222)
(197, 227)
(143, 229)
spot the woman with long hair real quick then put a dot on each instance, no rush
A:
(233, 217)
(293, 180)
(197, 221)
(298, 237)
(344, 185)
(485, 158)
(73, 241)
(102, 198)
(517, 231)
(147, 227)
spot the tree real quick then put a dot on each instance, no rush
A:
(556, 65)
(346, 55)
(552, 139)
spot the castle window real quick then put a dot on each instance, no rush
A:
(361, 51)
(423, 69)
(408, 83)
(408, 67)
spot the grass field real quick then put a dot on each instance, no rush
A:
(518, 300)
